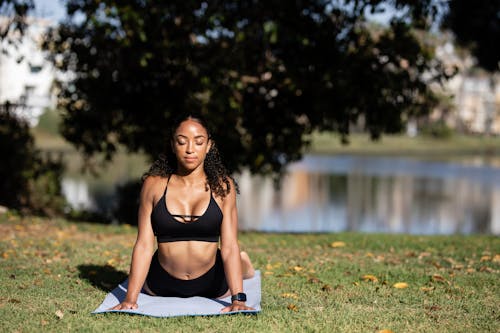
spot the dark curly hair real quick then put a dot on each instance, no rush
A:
(218, 177)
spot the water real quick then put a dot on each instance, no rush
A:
(367, 194)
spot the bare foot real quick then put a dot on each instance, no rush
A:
(246, 266)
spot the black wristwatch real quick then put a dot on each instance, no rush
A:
(240, 297)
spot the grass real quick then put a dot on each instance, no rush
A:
(426, 146)
(54, 273)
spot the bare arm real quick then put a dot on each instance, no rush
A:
(143, 248)
(230, 250)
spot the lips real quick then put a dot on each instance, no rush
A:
(190, 159)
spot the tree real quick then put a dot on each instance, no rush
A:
(30, 183)
(266, 72)
(476, 25)
(13, 15)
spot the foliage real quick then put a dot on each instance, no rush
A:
(14, 12)
(265, 72)
(128, 202)
(345, 282)
(437, 129)
(13, 21)
(477, 26)
(29, 182)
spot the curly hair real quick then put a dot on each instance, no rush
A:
(218, 177)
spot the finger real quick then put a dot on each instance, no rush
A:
(226, 309)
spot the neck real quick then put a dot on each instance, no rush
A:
(191, 177)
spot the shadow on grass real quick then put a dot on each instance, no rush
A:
(104, 277)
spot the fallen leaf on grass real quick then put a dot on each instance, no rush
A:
(385, 331)
(326, 288)
(427, 289)
(292, 307)
(433, 307)
(369, 277)
(298, 268)
(485, 258)
(496, 258)
(59, 314)
(400, 285)
(438, 278)
(284, 275)
(410, 254)
(290, 295)
(313, 279)
(423, 255)
(486, 269)
(337, 244)
(268, 273)
(437, 265)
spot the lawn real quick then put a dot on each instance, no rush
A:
(54, 273)
(402, 145)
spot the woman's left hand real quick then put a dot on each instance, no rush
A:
(236, 306)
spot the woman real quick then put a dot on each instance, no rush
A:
(188, 201)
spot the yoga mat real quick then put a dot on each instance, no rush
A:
(156, 306)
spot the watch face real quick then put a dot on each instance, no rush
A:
(241, 297)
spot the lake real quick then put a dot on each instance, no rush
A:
(355, 193)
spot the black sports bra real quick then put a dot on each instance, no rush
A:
(204, 228)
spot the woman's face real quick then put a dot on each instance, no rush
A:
(190, 144)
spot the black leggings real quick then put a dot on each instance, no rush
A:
(212, 284)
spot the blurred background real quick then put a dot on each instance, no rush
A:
(367, 115)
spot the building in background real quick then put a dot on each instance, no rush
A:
(474, 107)
(26, 77)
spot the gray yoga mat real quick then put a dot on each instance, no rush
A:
(175, 306)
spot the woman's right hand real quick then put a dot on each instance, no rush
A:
(125, 306)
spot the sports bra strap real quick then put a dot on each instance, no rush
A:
(168, 180)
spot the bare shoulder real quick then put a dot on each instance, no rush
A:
(153, 185)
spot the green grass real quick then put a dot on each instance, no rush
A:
(53, 273)
(426, 146)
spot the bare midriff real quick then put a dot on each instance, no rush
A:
(187, 260)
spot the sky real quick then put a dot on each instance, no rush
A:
(50, 9)
(54, 10)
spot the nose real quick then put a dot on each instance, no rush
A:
(189, 147)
